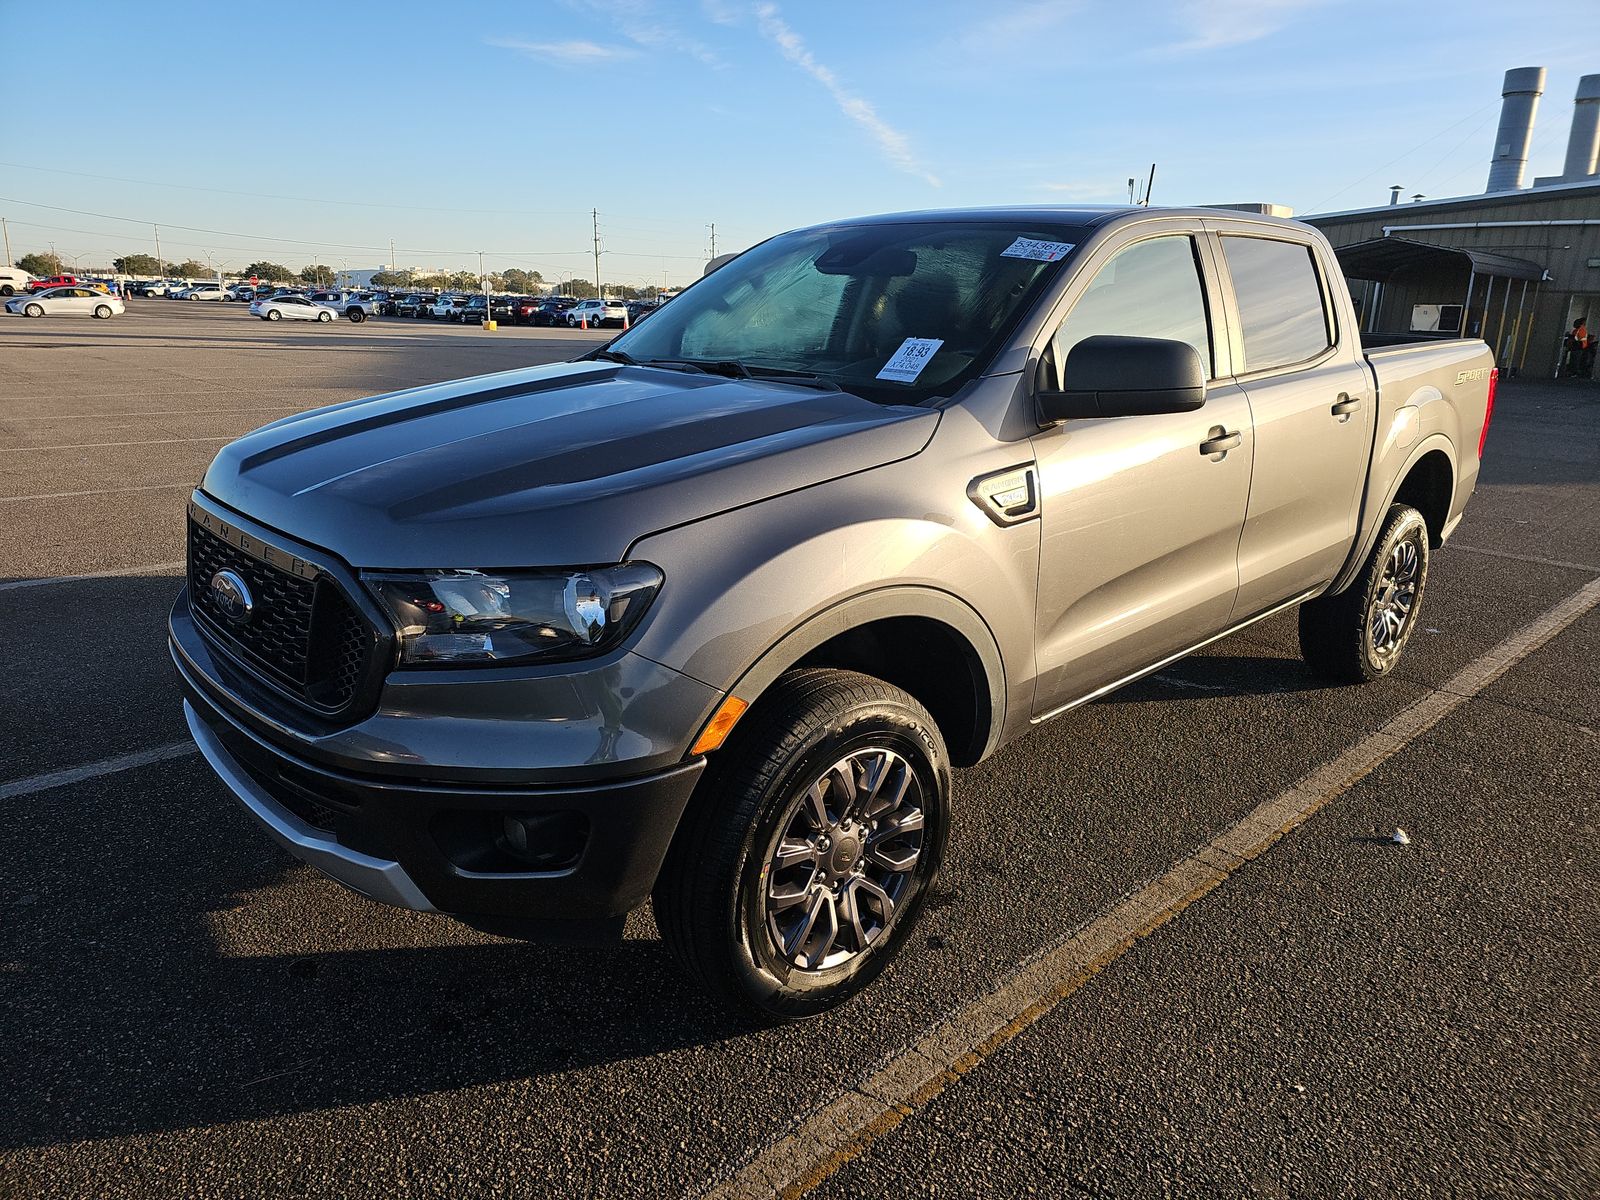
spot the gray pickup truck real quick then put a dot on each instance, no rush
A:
(709, 615)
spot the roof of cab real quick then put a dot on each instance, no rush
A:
(1079, 216)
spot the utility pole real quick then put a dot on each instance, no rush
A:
(594, 213)
(7, 233)
(391, 255)
(161, 267)
(713, 241)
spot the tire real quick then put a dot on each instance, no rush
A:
(1338, 638)
(775, 782)
(325, 317)
(102, 312)
(274, 315)
(194, 297)
(7, 290)
(33, 310)
(356, 316)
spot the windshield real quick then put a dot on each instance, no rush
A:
(894, 312)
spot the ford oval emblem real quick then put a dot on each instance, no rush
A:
(231, 595)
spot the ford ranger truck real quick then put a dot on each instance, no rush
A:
(710, 615)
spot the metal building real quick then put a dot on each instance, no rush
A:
(1515, 265)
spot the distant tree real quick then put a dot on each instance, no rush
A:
(583, 289)
(190, 269)
(136, 264)
(463, 281)
(269, 272)
(41, 263)
(434, 282)
(391, 279)
(317, 274)
(522, 282)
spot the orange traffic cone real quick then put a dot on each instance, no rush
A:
(583, 320)
(624, 319)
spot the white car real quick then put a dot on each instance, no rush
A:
(597, 313)
(448, 308)
(13, 280)
(67, 302)
(292, 308)
(206, 291)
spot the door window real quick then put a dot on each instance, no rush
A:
(1281, 309)
(1150, 289)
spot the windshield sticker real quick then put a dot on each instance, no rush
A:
(907, 362)
(1037, 250)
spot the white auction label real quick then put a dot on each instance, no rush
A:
(907, 362)
(1037, 250)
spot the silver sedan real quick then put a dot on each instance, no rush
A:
(67, 302)
(291, 308)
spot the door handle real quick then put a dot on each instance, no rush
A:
(1220, 441)
(1346, 405)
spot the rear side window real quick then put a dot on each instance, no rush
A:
(1281, 308)
(1150, 289)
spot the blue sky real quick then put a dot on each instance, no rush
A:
(453, 127)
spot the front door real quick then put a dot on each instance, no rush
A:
(1140, 525)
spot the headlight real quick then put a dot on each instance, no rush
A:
(447, 618)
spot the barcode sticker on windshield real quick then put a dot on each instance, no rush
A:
(906, 363)
(1037, 250)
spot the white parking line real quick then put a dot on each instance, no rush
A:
(148, 487)
(152, 569)
(846, 1126)
(106, 766)
(1527, 558)
(100, 445)
(162, 412)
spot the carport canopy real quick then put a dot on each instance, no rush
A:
(1381, 259)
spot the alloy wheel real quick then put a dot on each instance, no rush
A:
(1394, 603)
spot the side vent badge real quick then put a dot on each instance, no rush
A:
(1007, 497)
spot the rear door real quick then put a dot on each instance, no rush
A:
(1312, 403)
(1139, 524)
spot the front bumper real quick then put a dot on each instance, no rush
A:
(435, 847)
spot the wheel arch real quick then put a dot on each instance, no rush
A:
(1427, 482)
(929, 643)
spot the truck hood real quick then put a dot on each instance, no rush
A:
(560, 465)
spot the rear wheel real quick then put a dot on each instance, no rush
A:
(810, 846)
(1360, 634)
(274, 315)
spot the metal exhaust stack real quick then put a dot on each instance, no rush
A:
(1523, 87)
(1583, 143)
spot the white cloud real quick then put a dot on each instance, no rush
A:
(638, 21)
(1214, 24)
(895, 145)
(567, 54)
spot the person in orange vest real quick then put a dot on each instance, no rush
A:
(1580, 349)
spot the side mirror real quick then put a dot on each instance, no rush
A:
(1108, 376)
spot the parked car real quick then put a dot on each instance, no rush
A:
(638, 310)
(13, 280)
(205, 291)
(415, 304)
(357, 306)
(51, 281)
(448, 308)
(477, 310)
(596, 313)
(75, 301)
(292, 308)
(552, 310)
(960, 474)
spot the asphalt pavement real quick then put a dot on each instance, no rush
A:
(190, 1013)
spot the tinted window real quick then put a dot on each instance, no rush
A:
(1151, 289)
(1280, 301)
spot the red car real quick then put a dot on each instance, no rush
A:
(39, 285)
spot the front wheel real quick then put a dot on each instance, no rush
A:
(356, 316)
(102, 311)
(1359, 635)
(34, 310)
(325, 316)
(810, 846)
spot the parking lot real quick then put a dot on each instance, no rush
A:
(1176, 948)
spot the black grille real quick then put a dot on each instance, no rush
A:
(302, 634)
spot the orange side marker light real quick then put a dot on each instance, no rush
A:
(717, 730)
